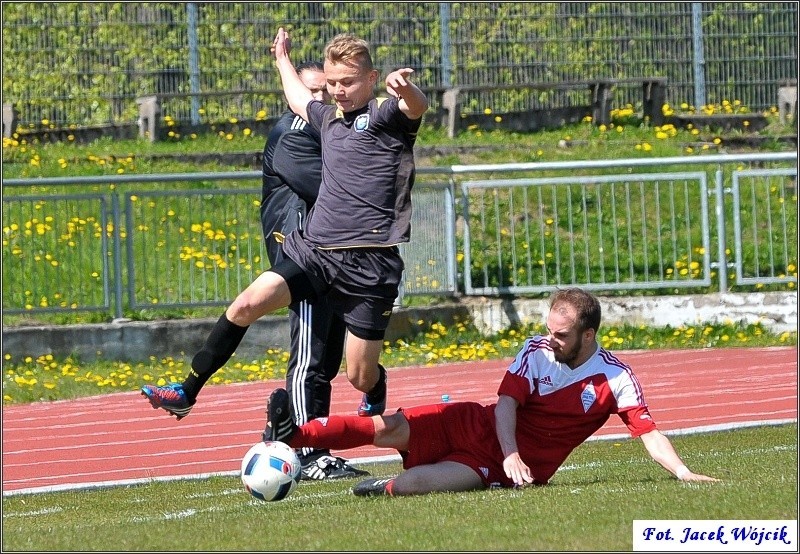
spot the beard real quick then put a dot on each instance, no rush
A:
(567, 356)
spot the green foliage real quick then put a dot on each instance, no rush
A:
(72, 63)
(45, 378)
(587, 506)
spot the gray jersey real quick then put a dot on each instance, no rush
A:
(367, 175)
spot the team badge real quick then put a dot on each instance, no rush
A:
(588, 396)
(362, 122)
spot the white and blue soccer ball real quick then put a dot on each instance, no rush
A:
(270, 470)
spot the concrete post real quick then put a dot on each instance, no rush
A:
(453, 107)
(601, 92)
(149, 113)
(10, 120)
(787, 103)
(654, 94)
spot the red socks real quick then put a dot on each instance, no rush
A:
(337, 432)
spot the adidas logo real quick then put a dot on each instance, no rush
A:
(546, 381)
(283, 430)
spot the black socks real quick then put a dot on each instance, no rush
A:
(218, 349)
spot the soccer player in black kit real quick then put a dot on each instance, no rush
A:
(348, 249)
(291, 174)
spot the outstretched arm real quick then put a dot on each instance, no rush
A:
(413, 102)
(297, 94)
(661, 450)
(505, 415)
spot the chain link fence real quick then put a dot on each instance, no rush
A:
(84, 64)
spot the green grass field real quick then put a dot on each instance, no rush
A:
(590, 505)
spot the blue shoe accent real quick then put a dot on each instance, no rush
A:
(369, 409)
(171, 398)
(365, 409)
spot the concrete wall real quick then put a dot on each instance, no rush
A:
(776, 311)
(139, 340)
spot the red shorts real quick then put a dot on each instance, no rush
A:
(460, 432)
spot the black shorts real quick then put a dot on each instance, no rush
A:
(361, 284)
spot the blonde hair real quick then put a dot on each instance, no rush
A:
(349, 50)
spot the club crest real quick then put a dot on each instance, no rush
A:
(588, 396)
(362, 123)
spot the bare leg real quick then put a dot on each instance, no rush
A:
(391, 431)
(362, 362)
(441, 476)
(266, 294)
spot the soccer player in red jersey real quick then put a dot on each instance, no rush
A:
(557, 392)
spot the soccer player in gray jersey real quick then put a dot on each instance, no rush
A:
(292, 171)
(348, 251)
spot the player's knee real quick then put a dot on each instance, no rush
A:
(391, 431)
(247, 307)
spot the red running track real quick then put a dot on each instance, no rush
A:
(118, 438)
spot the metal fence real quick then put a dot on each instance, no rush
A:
(650, 225)
(608, 232)
(73, 63)
(765, 225)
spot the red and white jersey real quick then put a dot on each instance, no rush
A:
(559, 407)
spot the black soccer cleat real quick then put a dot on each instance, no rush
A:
(280, 425)
(372, 487)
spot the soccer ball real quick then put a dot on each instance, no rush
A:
(270, 470)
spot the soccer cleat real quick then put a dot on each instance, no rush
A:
(328, 467)
(367, 409)
(372, 487)
(377, 406)
(280, 426)
(170, 397)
